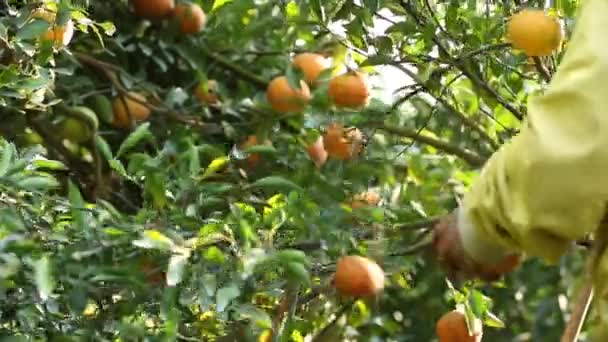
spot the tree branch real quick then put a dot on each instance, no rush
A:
(475, 79)
(544, 73)
(470, 157)
(111, 72)
(461, 116)
(236, 69)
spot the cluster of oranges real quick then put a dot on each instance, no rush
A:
(348, 90)
(190, 17)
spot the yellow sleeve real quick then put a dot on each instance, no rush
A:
(549, 184)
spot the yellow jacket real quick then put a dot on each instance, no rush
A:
(549, 185)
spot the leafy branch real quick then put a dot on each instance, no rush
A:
(475, 79)
(472, 158)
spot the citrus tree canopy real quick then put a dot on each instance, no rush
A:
(262, 170)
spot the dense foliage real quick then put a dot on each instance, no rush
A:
(169, 228)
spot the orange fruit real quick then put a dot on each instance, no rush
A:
(534, 32)
(284, 99)
(350, 90)
(138, 111)
(191, 18)
(311, 64)
(357, 276)
(153, 9)
(452, 327)
(368, 198)
(317, 152)
(208, 96)
(61, 35)
(342, 144)
(254, 158)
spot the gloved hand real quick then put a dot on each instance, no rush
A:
(457, 262)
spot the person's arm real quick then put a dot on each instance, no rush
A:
(549, 184)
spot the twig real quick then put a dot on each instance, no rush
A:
(475, 79)
(470, 157)
(242, 73)
(544, 73)
(418, 224)
(413, 249)
(461, 116)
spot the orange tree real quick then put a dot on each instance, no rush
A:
(175, 170)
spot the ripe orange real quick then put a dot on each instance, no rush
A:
(254, 158)
(191, 18)
(208, 96)
(317, 152)
(368, 198)
(357, 276)
(153, 9)
(350, 90)
(61, 35)
(138, 111)
(452, 327)
(311, 64)
(534, 32)
(284, 99)
(342, 144)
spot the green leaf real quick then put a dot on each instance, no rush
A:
(33, 29)
(294, 76)
(103, 147)
(297, 273)
(276, 182)
(142, 132)
(292, 255)
(49, 165)
(76, 206)
(153, 239)
(156, 187)
(8, 152)
(225, 295)
(43, 277)
(216, 165)
(176, 269)
(38, 183)
(492, 321)
(117, 166)
(371, 5)
(210, 283)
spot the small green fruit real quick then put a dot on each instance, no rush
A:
(102, 106)
(74, 130)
